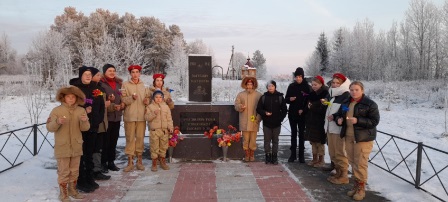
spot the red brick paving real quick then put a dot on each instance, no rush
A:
(196, 182)
(113, 189)
(276, 184)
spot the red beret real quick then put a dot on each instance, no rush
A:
(155, 76)
(339, 75)
(249, 81)
(130, 68)
(320, 79)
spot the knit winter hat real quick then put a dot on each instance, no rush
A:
(340, 76)
(107, 66)
(157, 92)
(299, 72)
(92, 70)
(271, 82)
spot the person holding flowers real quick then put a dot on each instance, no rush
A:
(358, 117)
(158, 84)
(338, 94)
(315, 120)
(160, 123)
(246, 104)
(95, 107)
(67, 121)
(134, 96)
(272, 108)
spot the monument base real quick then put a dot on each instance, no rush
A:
(199, 147)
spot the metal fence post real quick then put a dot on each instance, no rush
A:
(35, 140)
(418, 170)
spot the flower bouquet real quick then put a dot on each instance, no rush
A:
(173, 139)
(225, 138)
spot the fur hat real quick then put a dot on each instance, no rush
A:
(92, 70)
(321, 79)
(340, 76)
(130, 68)
(249, 79)
(155, 76)
(107, 66)
(299, 72)
(80, 96)
(271, 82)
(157, 92)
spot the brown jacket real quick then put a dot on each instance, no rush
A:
(135, 109)
(68, 137)
(162, 120)
(166, 95)
(249, 98)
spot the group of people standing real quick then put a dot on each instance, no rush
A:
(87, 125)
(341, 116)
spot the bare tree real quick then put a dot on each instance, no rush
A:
(7, 55)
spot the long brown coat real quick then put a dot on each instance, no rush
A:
(249, 119)
(68, 137)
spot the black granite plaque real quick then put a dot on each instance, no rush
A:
(198, 122)
(200, 78)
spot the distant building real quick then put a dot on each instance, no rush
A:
(248, 69)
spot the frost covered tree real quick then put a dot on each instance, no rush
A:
(322, 50)
(313, 64)
(259, 62)
(7, 56)
(178, 65)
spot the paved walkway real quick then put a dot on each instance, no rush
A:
(224, 181)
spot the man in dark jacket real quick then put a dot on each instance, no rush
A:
(296, 97)
(94, 105)
(272, 108)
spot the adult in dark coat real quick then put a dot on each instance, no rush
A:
(272, 108)
(296, 97)
(112, 85)
(315, 120)
(94, 105)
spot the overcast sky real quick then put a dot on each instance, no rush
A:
(286, 31)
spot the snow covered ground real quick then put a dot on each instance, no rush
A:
(417, 119)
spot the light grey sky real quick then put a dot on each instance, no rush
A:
(285, 31)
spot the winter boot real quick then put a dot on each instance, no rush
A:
(329, 168)
(111, 166)
(337, 174)
(163, 163)
(100, 176)
(352, 192)
(83, 186)
(140, 163)
(251, 156)
(130, 166)
(274, 159)
(63, 195)
(312, 162)
(104, 168)
(361, 191)
(247, 152)
(320, 162)
(293, 156)
(342, 179)
(154, 165)
(91, 181)
(73, 192)
(268, 158)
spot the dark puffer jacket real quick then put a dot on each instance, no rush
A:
(368, 115)
(301, 92)
(272, 104)
(315, 118)
(96, 117)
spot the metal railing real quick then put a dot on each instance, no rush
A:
(414, 165)
(14, 141)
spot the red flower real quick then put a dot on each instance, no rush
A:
(97, 93)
